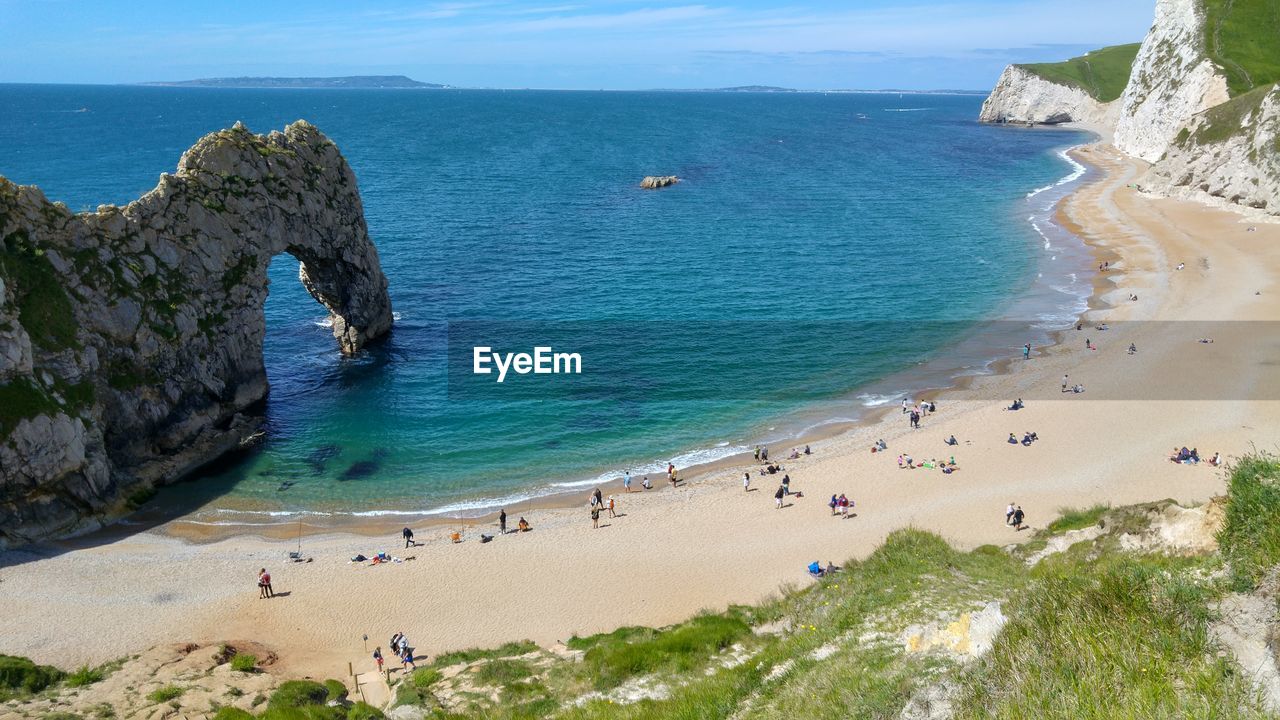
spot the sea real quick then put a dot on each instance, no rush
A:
(823, 254)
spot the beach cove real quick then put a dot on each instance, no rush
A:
(708, 543)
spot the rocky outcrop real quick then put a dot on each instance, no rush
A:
(1021, 96)
(1231, 152)
(652, 182)
(131, 337)
(1171, 82)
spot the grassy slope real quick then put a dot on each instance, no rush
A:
(1243, 37)
(1101, 73)
(1092, 632)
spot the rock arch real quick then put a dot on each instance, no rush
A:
(131, 338)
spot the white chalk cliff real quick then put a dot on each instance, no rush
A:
(1171, 81)
(1021, 96)
(1175, 112)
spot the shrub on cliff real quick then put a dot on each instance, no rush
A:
(19, 673)
(1250, 536)
(298, 694)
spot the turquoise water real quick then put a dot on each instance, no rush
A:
(819, 249)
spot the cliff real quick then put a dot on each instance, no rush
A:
(1172, 80)
(1199, 101)
(1082, 89)
(131, 338)
(1021, 96)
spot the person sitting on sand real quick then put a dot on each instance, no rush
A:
(1133, 348)
(1216, 460)
(1195, 456)
(807, 451)
(881, 444)
(456, 536)
(1012, 440)
(523, 525)
(1206, 340)
(830, 568)
(1077, 389)
(795, 454)
(1026, 439)
(815, 569)
(952, 440)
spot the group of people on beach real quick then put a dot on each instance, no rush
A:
(399, 646)
(1183, 456)
(1014, 516)
(599, 506)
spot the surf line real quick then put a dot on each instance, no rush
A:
(542, 361)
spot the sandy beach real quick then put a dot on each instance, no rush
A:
(708, 543)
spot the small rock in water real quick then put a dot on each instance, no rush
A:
(361, 469)
(321, 456)
(652, 182)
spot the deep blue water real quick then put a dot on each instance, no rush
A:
(817, 244)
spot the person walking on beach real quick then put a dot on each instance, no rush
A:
(746, 481)
(764, 453)
(905, 406)
(612, 514)
(502, 521)
(407, 534)
(1064, 383)
(757, 453)
(844, 507)
(786, 484)
(833, 504)
(1008, 514)
(915, 420)
(626, 481)
(595, 517)
(1018, 517)
(377, 658)
(597, 498)
(777, 497)
(264, 584)
(1026, 351)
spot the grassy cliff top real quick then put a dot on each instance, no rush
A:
(1243, 38)
(1101, 73)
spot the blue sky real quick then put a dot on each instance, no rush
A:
(575, 44)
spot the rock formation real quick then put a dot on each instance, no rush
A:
(131, 338)
(1021, 96)
(1176, 111)
(1171, 81)
(652, 182)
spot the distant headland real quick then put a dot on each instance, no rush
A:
(345, 82)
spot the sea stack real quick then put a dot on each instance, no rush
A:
(131, 337)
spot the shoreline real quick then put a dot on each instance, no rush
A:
(709, 544)
(949, 375)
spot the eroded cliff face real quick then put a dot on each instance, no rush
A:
(1171, 82)
(1230, 152)
(131, 338)
(1021, 96)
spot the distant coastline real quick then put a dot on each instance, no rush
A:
(396, 82)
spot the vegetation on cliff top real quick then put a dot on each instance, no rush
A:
(1101, 73)
(1243, 38)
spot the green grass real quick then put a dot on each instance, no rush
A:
(84, 676)
(677, 650)
(19, 673)
(459, 657)
(502, 671)
(43, 306)
(1101, 73)
(298, 693)
(1126, 636)
(1225, 121)
(244, 662)
(1243, 38)
(20, 398)
(165, 693)
(1076, 519)
(1250, 536)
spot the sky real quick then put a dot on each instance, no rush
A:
(566, 44)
